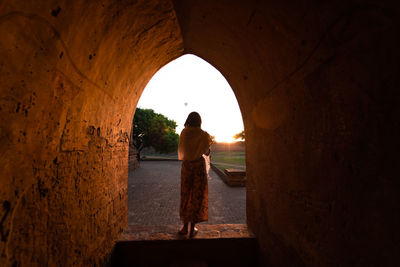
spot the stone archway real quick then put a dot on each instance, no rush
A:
(316, 83)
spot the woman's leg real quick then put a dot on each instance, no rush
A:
(184, 229)
(193, 229)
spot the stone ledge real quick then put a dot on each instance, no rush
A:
(220, 173)
(235, 177)
(214, 245)
(235, 172)
(170, 232)
(231, 177)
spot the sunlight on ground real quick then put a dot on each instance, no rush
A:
(191, 84)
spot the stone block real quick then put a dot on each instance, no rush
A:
(235, 177)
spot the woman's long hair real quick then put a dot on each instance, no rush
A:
(193, 120)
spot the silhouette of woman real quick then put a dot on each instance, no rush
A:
(193, 144)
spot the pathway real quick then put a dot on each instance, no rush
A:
(154, 191)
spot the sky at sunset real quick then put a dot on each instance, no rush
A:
(191, 84)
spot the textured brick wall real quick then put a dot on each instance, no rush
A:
(71, 73)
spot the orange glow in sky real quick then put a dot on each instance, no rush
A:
(191, 84)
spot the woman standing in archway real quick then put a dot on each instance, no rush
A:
(193, 144)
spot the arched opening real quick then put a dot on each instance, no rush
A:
(187, 84)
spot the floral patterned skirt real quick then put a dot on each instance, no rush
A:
(194, 192)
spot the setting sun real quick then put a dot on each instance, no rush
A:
(191, 84)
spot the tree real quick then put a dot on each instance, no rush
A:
(155, 130)
(239, 135)
(213, 139)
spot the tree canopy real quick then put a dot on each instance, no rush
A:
(150, 129)
(239, 135)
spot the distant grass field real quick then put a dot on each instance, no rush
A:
(230, 158)
(224, 156)
(222, 167)
(233, 157)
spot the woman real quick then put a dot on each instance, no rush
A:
(193, 143)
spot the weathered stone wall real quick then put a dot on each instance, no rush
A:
(71, 73)
(316, 83)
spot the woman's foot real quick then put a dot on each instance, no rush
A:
(193, 232)
(184, 230)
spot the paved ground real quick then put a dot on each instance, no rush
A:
(153, 196)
